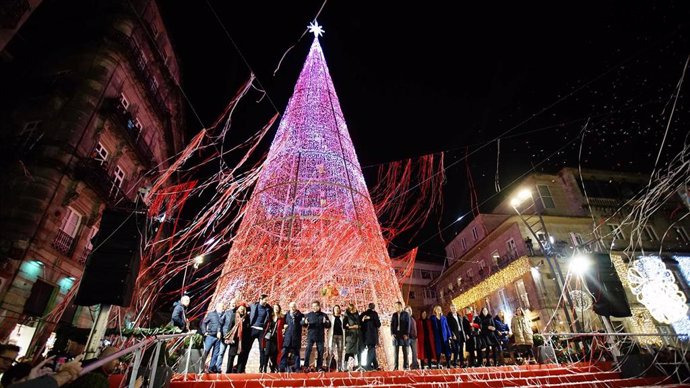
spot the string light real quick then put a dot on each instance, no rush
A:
(495, 282)
(581, 300)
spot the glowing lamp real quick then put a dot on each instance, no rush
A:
(579, 264)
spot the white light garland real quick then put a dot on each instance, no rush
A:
(655, 287)
(581, 300)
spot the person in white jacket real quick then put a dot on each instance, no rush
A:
(336, 339)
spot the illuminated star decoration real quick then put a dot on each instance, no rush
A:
(316, 29)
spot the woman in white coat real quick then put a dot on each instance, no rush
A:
(336, 339)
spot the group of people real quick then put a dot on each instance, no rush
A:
(348, 335)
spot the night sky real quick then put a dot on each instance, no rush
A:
(418, 78)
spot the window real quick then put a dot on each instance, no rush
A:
(470, 274)
(118, 178)
(71, 222)
(426, 275)
(464, 244)
(89, 238)
(101, 154)
(545, 195)
(512, 247)
(475, 234)
(616, 232)
(682, 234)
(482, 266)
(495, 256)
(522, 293)
(429, 293)
(650, 233)
(124, 102)
(503, 300)
(411, 295)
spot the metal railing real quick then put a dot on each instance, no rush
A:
(138, 350)
(63, 243)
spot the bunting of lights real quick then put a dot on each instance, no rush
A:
(309, 231)
(495, 282)
(655, 287)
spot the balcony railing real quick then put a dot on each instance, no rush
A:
(63, 243)
(125, 121)
(98, 177)
(84, 256)
(11, 13)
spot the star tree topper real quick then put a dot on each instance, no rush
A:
(316, 29)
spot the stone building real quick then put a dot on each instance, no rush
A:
(91, 110)
(416, 288)
(496, 259)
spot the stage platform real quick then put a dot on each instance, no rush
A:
(548, 375)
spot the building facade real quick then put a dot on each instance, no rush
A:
(497, 261)
(417, 290)
(91, 112)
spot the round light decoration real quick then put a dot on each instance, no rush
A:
(581, 300)
(655, 287)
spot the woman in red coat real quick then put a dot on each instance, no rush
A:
(272, 340)
(425, 340)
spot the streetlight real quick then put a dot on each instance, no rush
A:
(524, 199)
(579, 264)
(196, 262)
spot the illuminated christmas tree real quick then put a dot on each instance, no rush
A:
(309, 230)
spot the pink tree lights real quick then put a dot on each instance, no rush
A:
(309, 230)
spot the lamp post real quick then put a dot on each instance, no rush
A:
(525, 200)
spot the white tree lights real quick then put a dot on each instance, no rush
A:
(655, 287)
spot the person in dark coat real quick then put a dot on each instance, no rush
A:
(273, 338)
(211, 328)
(292, 338)
(259, 314)
(502, 333)
(370, 329)
(488, 334)
(473, 343)
(353, 335)
(228, 319)
(400, 328)
(238, 339)
(179, 314)
(316, 323)
(442, 335)
(425, 339)
(412, 339)
(458, 336)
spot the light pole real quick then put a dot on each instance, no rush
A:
(196, 262)
(535, 224)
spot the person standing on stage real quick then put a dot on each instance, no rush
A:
(353, 336)
(316, 322)
(259, 314)
(179, 314)
(458, 336)
(211, 328)
(228, 323)
(370, 329)
(239, 338)
(412, 338)
(400, 328)
(292, 338)
(425, 339)
(336, 339)
(272, 341)
(502, 333)
(487, 333)
(473, 343)
(442, 334)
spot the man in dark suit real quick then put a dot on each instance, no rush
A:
(292, 337)
(316, 323)
(400, 328)
(259, 314)
(211, 329)
(370, 330)
(458, 336)
(228, 319)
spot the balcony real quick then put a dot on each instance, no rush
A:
(11, 13)
(98, 177)
(84, 256)
(63, 243)
(125, 121)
